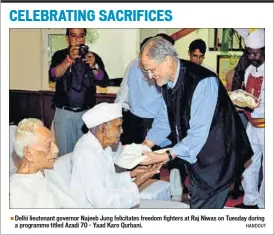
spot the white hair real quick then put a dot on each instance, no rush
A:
(159, 48)
(95, 129)
(25, 135)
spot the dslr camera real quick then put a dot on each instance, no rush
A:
(83, 50)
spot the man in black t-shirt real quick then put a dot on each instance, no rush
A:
(76, 75)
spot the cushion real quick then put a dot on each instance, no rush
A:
(158, 190)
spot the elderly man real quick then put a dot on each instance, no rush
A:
(141, 101)
(254, 84)
(94, 181)
(200, 121)
(35, 184)
(140, 98)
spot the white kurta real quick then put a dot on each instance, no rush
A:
(94, 181)
(256, 137)
(39, 191)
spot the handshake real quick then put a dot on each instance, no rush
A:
(144, 173)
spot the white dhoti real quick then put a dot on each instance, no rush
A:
(253, 195)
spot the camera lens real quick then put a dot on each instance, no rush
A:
(83, 50)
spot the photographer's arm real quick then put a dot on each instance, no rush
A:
(101, 76)
(60, 69)
(59, 65)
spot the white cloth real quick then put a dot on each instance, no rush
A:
(158, 190)
(63, 167)
(101, 113)
(39, 191)
(131, 155)
(256, 137)
(94, 181)
(257, 72)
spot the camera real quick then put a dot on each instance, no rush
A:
(83, 50)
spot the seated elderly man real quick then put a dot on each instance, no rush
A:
(94, 181)
(35, 184)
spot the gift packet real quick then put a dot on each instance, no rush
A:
(131, 155)
(243, 99)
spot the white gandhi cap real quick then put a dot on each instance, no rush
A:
(101, 113)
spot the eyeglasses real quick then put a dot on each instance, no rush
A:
(151, 71)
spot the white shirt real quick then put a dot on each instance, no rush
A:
(39, 191)
(94, 181)
(257, 72)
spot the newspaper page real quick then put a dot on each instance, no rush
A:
(51, 187)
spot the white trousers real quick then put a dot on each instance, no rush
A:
(253, 196)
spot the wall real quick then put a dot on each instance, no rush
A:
(38, 104)
(117, 47)
(25, 59)
(183, 43)
(28, 61)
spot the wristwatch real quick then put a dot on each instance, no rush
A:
(169, 155)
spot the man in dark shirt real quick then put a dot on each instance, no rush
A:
(76, 75)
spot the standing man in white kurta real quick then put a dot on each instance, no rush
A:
(254, 84)
(35, 184)
(94, 182)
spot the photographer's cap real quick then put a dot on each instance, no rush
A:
(101, 113)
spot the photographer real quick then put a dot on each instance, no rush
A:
(76, 71)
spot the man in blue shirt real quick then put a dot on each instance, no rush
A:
(200, 121)
(140, 99)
